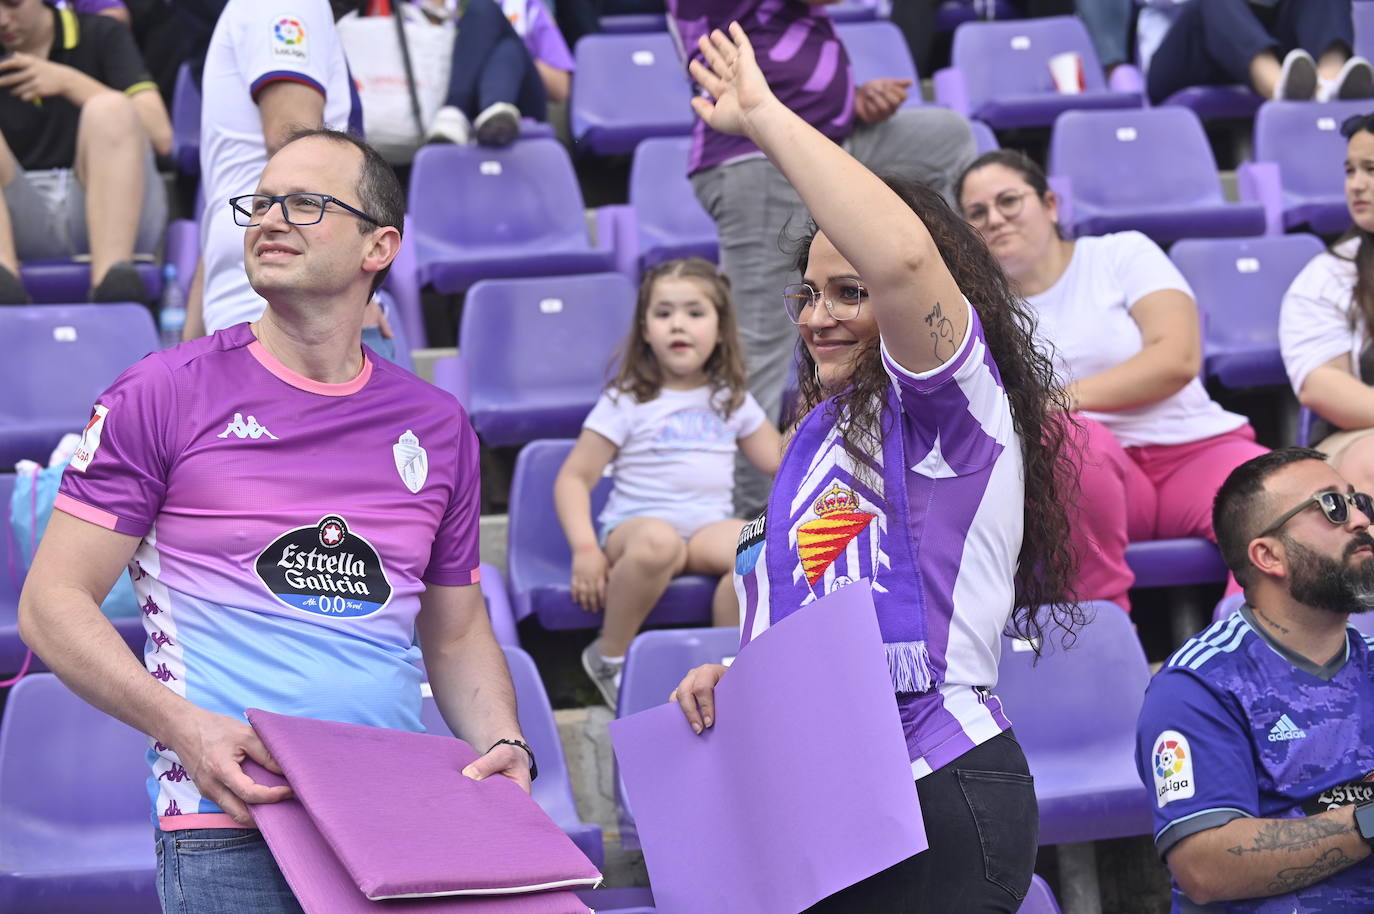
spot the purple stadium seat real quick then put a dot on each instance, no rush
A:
(1149, 169)
(628, 88)
(552, 790)
(1074, 712)
(498, 606)
(1239, 284)
(482, 213)
(539, 352)
(1175, 562)
(668, 219)
(877, 49)
(183, 250)
(403, 284)
(954, 13)
(1306, 420)
(984, 137)
(451, 374)
(186, 123)
(58, 359)
(1296, 173)
(77, 836)
(655, 664)
(999, 72)
(540, 563)
(625, 900)
(852, 11)
(633, 23)
(1217, 103)
(1363, 15)
(1039, 899)
(57, 281)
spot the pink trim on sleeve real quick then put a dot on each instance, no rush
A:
(69, 505)
(454, 578)
(309, 385)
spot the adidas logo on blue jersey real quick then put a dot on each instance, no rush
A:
(1285, 730)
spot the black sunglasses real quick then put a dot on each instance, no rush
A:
(1355, 123)
(1335, 505)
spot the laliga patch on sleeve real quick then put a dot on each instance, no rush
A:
(288, 39)
(1173, 768)
(90, 439)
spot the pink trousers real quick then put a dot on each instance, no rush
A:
(1157, 491)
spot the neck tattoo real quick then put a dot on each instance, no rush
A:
(1272, 623)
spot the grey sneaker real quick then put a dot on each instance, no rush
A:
(605, 675)
(1356, 80)
(498, 125)
(1298, 78)
(450, 125)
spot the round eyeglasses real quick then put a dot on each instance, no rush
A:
(297, 209)
(1335, 505)
(1008, 203)
(842, 298)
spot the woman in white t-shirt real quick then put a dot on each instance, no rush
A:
(1126, 338)
(669, 426)
(1324, 327)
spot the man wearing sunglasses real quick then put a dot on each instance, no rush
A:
(1256, 739)
(292, 510)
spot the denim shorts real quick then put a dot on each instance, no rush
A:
(220, 871)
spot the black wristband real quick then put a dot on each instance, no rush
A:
(534, 767)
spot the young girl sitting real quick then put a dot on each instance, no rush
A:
(670, 422)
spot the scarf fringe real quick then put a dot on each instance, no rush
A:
(908, 662)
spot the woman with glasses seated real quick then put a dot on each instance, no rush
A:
(924, 467)
(1324, 327)
(1125, 334)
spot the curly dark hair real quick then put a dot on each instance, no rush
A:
(641, 376)
(1363, 258)
(1047, 565)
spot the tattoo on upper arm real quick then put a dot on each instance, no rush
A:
(1292, 835)
(941, 332)
(1296, 877)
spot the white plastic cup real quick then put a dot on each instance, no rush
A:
(1067, 71)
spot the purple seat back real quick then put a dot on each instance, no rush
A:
(654, 665)
(1175, 562)
(451, 374)
(402, 282)
(539, 562)
(498, 606)
(59, 281)
(1074, 714)
(183, 250)
(954, 13)
(629, 87)
(477, 212)
(1039, 899)
(1006, 72)
(877, 49)
(1147, 169)
(186, 123)
(983, 136)
(58, 360)
(540, 351)
(1363, 16)
(552, 790)
(1304, 140)
(77, 835)
(1214, 103)
(851, 10)
(669, 218)
(633, 23)
(1239, 284)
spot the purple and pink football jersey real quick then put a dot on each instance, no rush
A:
(288, 529)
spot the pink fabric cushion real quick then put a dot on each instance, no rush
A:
(403, 821)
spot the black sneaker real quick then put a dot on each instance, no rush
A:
(498, 125)
(121, 283)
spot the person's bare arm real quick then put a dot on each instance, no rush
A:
(1334, 393)
(153, 113)
(557, 83)
(763, 448)
(284, 107)
(1256, 858)
(572, 500)
(59, 617)
(470, 679)
(1169, 358)
(29, 78)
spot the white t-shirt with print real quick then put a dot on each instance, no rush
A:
(675, 457)
(1314, 322)
(1086, 316)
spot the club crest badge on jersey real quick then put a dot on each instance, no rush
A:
(412, 461)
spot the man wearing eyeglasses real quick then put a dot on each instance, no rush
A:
(292, 510)
(1256, 739)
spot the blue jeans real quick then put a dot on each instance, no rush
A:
(491, 64)
(220, 871)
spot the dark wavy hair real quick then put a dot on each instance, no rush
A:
(1363, 258)
(641, 376)
(1017, 161)
(1047, 566)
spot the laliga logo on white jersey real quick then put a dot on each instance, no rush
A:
(412, 462)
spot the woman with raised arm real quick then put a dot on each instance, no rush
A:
(925, 464)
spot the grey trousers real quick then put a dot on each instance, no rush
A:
(761, 221)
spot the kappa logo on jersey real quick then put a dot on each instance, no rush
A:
(288, 39)
(1285, 730)
(250, 429)
(90, 439)
(412, 461)
(750, 544)
(1173, 768)
(325, 569)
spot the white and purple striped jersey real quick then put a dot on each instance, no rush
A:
(964, 485)
(288, 529)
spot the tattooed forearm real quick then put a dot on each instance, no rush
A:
(1298, 877)
(1293, 835)
(941, 332)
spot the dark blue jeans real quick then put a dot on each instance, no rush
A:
(983, 826)
(491, 64)
(220, 871)
(1212, 43)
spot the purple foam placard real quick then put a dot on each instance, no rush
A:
(404, 821)
(801, 788)
(322, 885)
